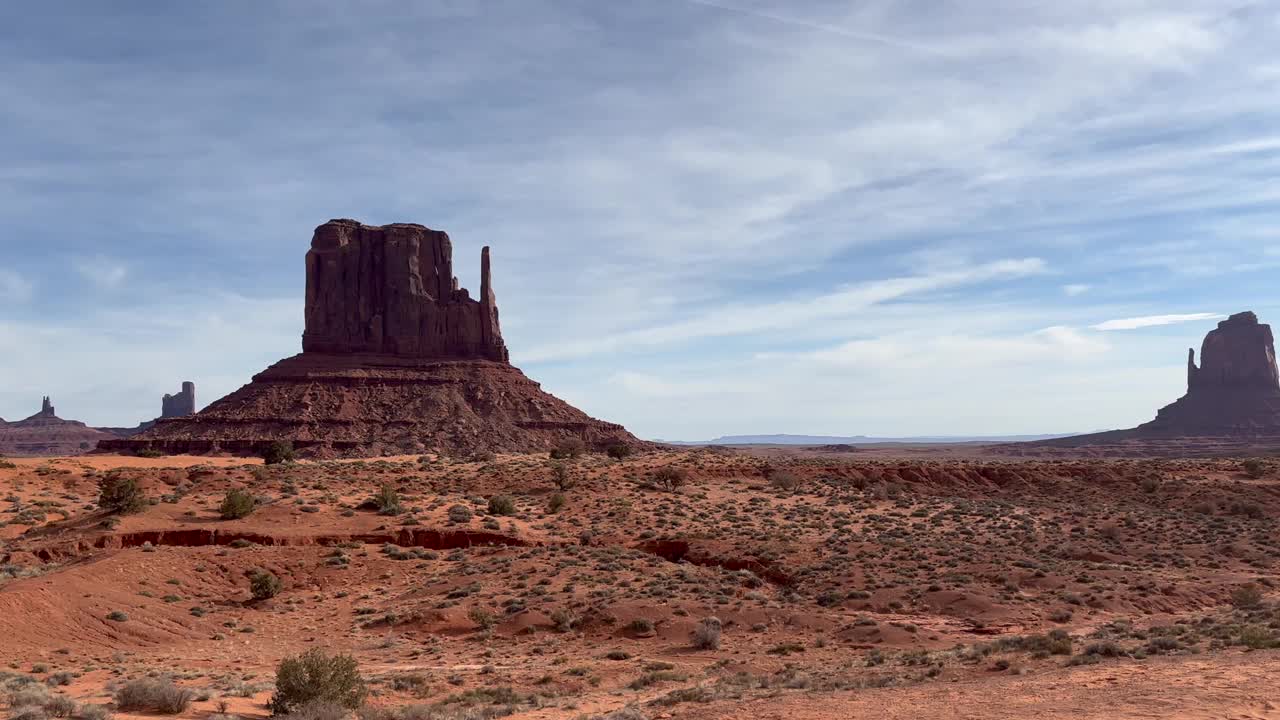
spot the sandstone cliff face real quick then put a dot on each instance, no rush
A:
(391, 290)
(1239, 353)
(1234, 391)
(396, 358)
(184, 403)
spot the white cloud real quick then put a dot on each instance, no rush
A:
(744, 319)
(1076, 289)
(1135, 323)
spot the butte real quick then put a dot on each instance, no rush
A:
(396, 358)
(1232, 401)
(47, 434)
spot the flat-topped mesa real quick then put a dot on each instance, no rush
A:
(1240, 353)
(391, 290)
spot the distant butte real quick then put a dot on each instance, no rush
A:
(44, 433)
(1232, 402)
(396, 357)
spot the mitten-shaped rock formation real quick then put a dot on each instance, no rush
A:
(397, 358)
(1236, 388)
(391, 290)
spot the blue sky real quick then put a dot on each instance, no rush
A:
(707, 217)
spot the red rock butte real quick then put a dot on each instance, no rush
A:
(1233, 397)
(397, 358)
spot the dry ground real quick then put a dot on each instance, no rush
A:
(844, 584)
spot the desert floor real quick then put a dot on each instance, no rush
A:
(845, 584)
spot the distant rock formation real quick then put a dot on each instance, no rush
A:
(1234, 391)
(184, 403)
(397, 358)
(391, 290)
(1232, 400)
(44, 433)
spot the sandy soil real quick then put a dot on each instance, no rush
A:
(845, 584)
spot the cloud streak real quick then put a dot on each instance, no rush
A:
(1137, 323)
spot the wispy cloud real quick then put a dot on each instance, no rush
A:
(1135, 323)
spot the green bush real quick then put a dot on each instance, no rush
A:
(706, 636)
(459, 514)
(317, 677)
(1254, 468)
(1247, 597)
(561, 476)
(149, 453)
(280, 451)
(502, 505)
(619, 451)
(670, 478)
(386, 501)
(158, 696)
(264, 585)
(121, 495)
(237, 504)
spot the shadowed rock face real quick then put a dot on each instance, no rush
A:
(184, 403)
(1239, 353)
(1236, 388)
(396, 358)
(391, 290)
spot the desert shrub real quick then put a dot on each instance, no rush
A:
(481, 617)
(569, 448)
(556, 503)
(1254, 468)
(565, 619)
(280, 451)
(561, 476)
(315, 677)
(502, 505)
(1247, 597)
(117, 616)
(623, 714)
(386, 501)
(459, 514)
(122, 495)
(318, 710)
(149, 695)
(149, 453)
(264, 585)
(1256, 637)
(618, 451)
(237, 504)
(94, 712)
(641, 625)
(784, 481)
(706, 636)
(670, 478)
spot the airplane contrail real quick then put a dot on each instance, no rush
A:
(834, 29)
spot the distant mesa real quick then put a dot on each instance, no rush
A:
(1233, 396)
(396, 357)
(44, 433)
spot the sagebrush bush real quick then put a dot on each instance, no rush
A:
(670, 478)
(706, 636)
(561, 476)
(316, 677)
(264, 585)
(119, 494)
(1247, 597)
(569, 448)
(386, 501)
(280, 451)
(502, 505)
(459, 514)
(619, 451)
(149, 695)
(237, 504)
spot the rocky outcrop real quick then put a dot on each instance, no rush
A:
(397, 358)
(1233, 397)
(1234, 391)
(184, 403)
(391, 290)
(44, 433)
